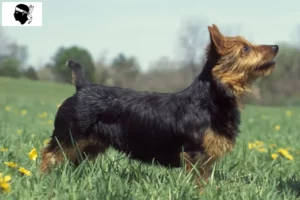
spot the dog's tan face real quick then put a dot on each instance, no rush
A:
(240, 62)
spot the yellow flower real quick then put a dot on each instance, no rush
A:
(259, 143)
(33, 154)
(4, 183)
(277, 127)
(49, 122)
(272, 145)
(251, 145)
(43, 115)
(261, 149)
(274, 156)
(4, 149)
(46, 142)
(58, 105)
(283, 151)
(19, 131)
(7, 108)
(288, 113)
(5, 187)
(289, 157)
(23, 112)
(11, 164)
(24, 171)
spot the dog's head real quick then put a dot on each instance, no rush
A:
(237, 61)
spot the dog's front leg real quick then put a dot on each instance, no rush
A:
(199, 164)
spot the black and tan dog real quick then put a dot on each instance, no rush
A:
(199, 124)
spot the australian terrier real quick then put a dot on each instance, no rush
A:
(197, 125)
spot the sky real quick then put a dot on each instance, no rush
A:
(149, 29)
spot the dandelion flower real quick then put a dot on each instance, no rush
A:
(4, 149)
(11, 164)
(259, 143)
(261, 149)
(33, 154)
(19, 131)
(272, 145)
(49, 122)
(289, 157)
(274, 156)
(277, 127)
(283, 151)
(288, 113)
(251, 146)
(24, 171)
(4, 183)
(7, 108)
(23, 112)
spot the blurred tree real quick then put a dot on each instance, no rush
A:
(193, 37)
(75, 53)
(9, 66)
(125, 70)
(13, 57)
(30, 73)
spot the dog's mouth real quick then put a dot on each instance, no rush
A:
(266, 66)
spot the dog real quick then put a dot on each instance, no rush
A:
(196, 125)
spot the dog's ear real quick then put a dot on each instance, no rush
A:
(216, 38)
(216, 28)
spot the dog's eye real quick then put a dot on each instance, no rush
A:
(246, 48)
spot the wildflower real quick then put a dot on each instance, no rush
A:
(259, 143)
(58, 105)
(4, 149)
(277, 127)
(4, 183)
(261, 149)
(49, 122)
(7, 108)
(251, 146)
(274, 156)
(11, 164)
(288, 113)
(24, 171)
(23, 112)
(43, 115)
(46, 142)
(272, 145)
(33, 154)
(19, 131)
(283, 151)
(289, 157)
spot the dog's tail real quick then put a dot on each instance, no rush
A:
(77, 74)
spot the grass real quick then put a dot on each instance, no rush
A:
(243, 174)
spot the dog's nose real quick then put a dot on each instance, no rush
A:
(275, 48)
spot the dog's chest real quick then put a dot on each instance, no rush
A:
(219, 138)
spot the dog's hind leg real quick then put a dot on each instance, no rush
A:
(75, 151)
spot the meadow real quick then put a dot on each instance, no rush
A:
(265, 163)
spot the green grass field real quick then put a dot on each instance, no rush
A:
(27, 111)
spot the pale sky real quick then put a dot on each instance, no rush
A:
(149, 29)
